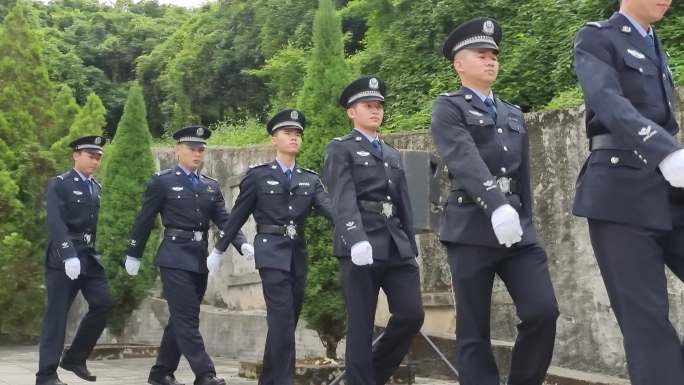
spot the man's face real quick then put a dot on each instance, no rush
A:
(478, 65)
(190, 155)
(287, 140)
(87, 162)
(367, 114)
(646, 11)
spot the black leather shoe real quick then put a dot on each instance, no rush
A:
(52, 381)
(210, 379)
(168, 379)
(80, 370)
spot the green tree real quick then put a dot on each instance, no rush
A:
(26, 115)
(89, 121)
(129, 165)
(326, 75)
(66, 110)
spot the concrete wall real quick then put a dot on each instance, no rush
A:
(588, 336)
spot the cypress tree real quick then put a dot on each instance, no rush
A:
(326, 75)
(66, 110)
(129, 165)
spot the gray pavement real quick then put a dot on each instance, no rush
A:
(18, 366)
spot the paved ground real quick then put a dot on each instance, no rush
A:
(18, 366)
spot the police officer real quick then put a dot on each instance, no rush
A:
(72, 263)
(487, 223)
(374, 237)
(630, 188)
(280, 195)
(187, 201)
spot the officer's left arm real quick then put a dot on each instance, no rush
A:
(152, 202)
(57, 228)
(594, 54)
(525, 177)
(322, 201)
(220, 216)
(406, 214)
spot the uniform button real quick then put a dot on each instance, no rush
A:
(365, 163)
(271, 191)
(645, 161)
(389, 181)
(179, 197)
(615, 160)
(479, 199)
(306, 193)
(264, 240)
(196, 195)
(481, 121)
(641, 69)
(485, 206)
(499, 130)
(386, 164)
(291, 193)
(505, 148)
(289, 207)
(197, 210)
(503, 169)
(292, 222)
(460, 200)
(641, 156)
(664, 76)
(389, 198)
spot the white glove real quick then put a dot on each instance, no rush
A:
(506, 225)
(362, 253)
(672, 168)
(214, 261)
(132, 265)
(72, 267)
(247, 250)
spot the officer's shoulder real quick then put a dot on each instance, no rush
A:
(306, 170)
(388, 144)
(343, 138)
(168, 171)
(208, 177)
(62, 177)
(258, 167)
(96, 182)
(602, 24)
(513, 106)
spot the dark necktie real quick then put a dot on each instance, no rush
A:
(491, 107)
(377, 145)
(194, 179)
(650, 42)
(89, 182)
(288, 175)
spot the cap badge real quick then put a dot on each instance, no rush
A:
(294, 115)
(200, 131)
(373, 83)
(488, 27)
(98, 140)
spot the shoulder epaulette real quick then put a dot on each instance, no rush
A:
(517, 107)
(308, 170)
(598, 24)
(96, 182)
(208, 177)
(345, 137)
(257, 165)
(164, 172)
(63, 176)
(451, 93)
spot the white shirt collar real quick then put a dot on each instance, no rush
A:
(370, 138)
(638, 26)
(83, 177)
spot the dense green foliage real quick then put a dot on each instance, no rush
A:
(128, 167)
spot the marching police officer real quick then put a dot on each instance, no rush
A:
(187, 201)
(374, 237)
(280, 195)
(487, 223)
(72, 263)
(630, 188)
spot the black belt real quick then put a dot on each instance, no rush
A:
(507, 185)
(291, 231)
(606, 142)
(384, 208)
(197, 236)
(87, 238)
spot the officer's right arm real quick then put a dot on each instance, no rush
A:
(594, 55)
(342, 193)
(153, 201)
(458, 150)
(243, 208)
(57, 228)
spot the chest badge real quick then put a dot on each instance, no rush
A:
(476, 113)
(307, 184)
(363, 153)
(272, 182)
(636, 54)
(78, 193)
(177, 188)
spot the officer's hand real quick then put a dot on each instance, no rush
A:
(132, 265)
(362, 253)
(506, 225)
(72, 267)
(672, 168)
(247, 250)
(214, 261)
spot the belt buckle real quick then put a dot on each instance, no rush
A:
(197, 236)
(504, 184)
(387, 209)
(87, 238)
(291, 231)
